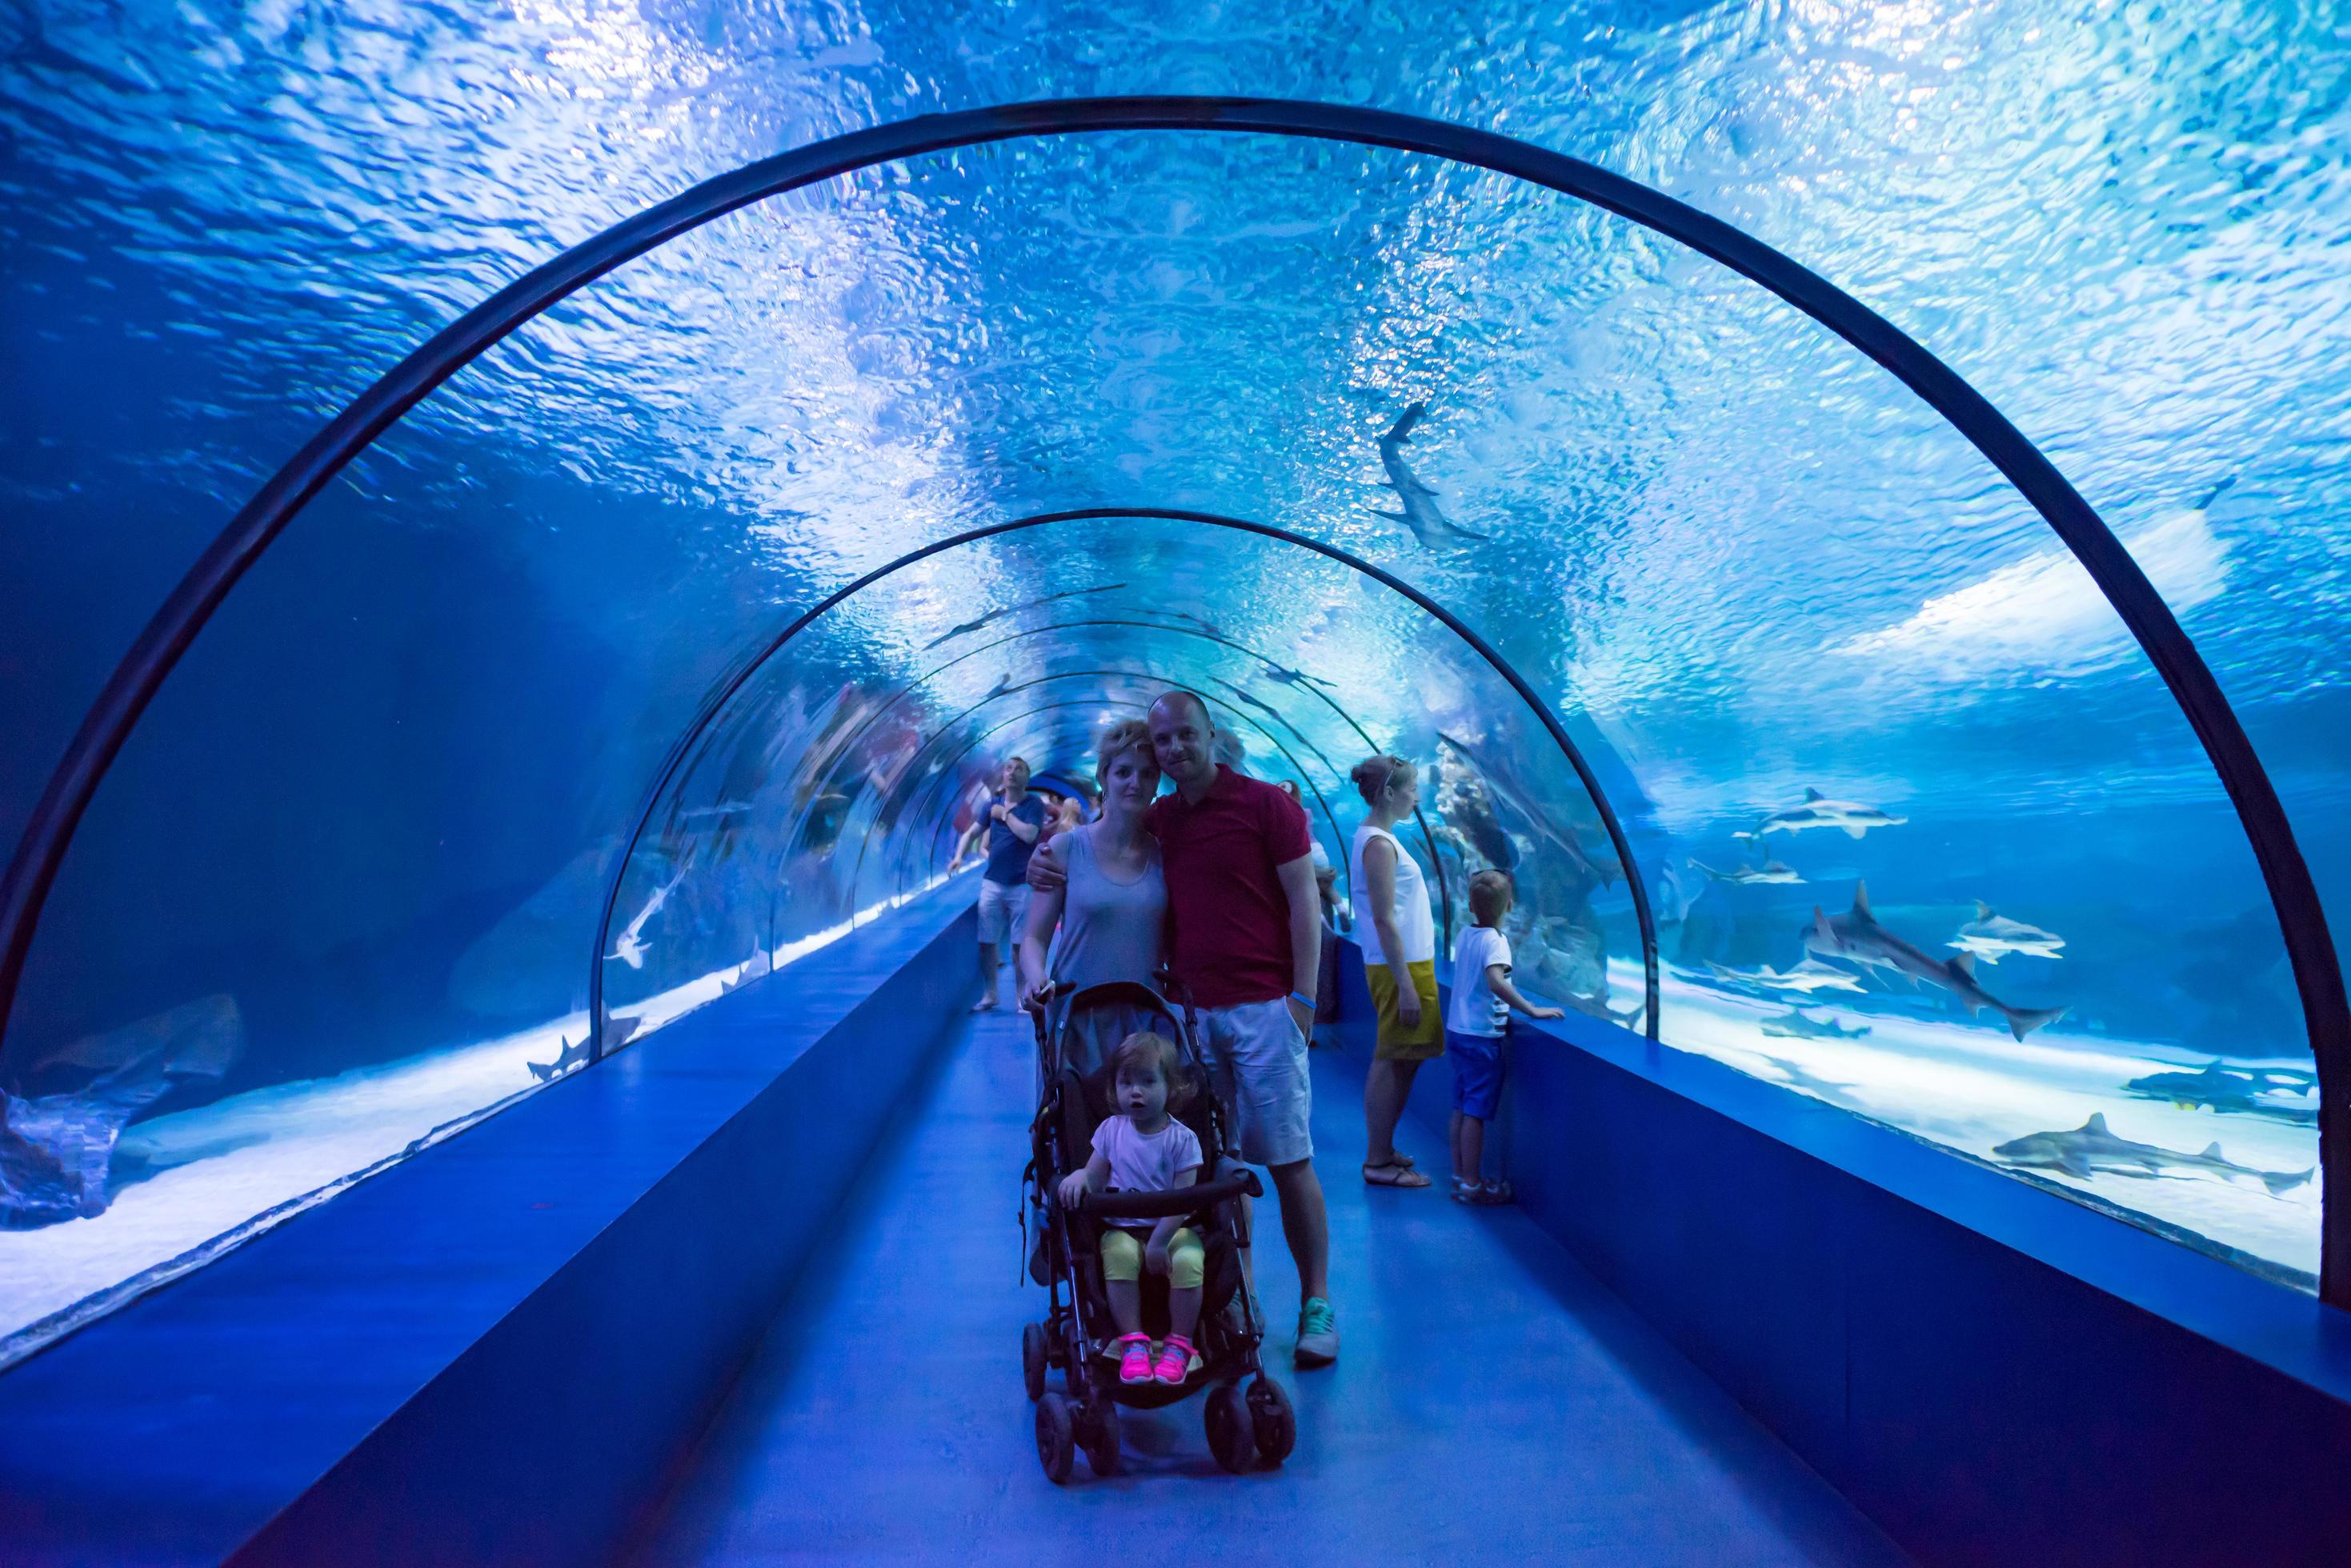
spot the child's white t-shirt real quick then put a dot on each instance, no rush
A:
(1475, 1010)
(1145, 1162)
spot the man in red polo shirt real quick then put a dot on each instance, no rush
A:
(1245, 930)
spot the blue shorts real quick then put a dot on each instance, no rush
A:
(1476, 1073)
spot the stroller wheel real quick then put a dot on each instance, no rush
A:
(1100, 1429)
(1230, 1437)
(1032, 1359)
(1055, 1448)
(1271, 1420)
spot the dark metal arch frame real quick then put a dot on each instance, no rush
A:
(717, 703)
(2302, 920)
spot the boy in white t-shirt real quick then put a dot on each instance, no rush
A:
(1475, 1022)
(1144, 1148)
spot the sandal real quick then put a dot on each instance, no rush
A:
(1480, 1194)
(1174, 1360)
(1134, 1367)
(1398, 1174)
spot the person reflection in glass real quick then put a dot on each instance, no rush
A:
(1015, 821)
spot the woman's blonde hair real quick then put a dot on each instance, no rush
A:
(1123, 736)
(1374, 774)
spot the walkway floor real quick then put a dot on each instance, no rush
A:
(1492, 1401)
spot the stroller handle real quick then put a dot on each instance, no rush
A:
(1175, 1200)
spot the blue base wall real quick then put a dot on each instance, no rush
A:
(1994, 1373)
(497, 1351)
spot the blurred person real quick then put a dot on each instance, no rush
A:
(1014, 822)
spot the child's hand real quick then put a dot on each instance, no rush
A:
(1155, 1256)
(1546, 1012)
(1073, 1187)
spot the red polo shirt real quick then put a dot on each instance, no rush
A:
(1227, 918)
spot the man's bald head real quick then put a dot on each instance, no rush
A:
(1183, 740)
(1180, 702)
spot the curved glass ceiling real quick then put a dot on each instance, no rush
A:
(343, 888)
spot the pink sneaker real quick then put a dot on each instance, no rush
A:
(1174, 1360)
(1134, 1367)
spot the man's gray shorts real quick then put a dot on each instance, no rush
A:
(1257, 1063)
(1003, 907)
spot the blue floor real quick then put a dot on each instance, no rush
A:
(1492, 1401)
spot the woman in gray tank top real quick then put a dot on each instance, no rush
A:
(1112, 911)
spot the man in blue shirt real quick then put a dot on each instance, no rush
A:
(1015, 819)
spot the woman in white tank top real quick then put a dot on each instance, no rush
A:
(1393, 921)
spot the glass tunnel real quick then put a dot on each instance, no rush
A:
(682, 628)
(668, 612)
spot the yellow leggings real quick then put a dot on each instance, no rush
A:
(1121, 1256)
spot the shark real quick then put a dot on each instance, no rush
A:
(1421, 513)
(1795, 1076)
(1988, 936)
(1806, 978)
(1771, 871)
(1858, 937)
(571, 1060)
(630, 946)
(1819, 811)
(1241, 693)
(964, 627)
(2090, 1149)
(1283, 675)
(1797, 1024)
(2233, 1091)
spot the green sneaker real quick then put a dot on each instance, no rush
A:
(1318, 1334)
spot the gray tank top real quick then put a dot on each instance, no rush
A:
(1110, 931)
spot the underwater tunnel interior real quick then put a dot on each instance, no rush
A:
(487, 1067)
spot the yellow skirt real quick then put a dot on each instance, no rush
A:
(1396, 1043)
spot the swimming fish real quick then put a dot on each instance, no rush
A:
(995, 614)
(2233, 1091)
(750, 972)
(630, 946)
(1421, 514)
(1989, 935)
(1283, 676)
(2090, 1149)
(1819, 811)
(1807, 977)
(571, 1059)
(1858, 937)
(1797, 1076)
(1797, 1024)
(1242, 694)
(1771, 871)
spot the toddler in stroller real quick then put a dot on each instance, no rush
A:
(1100, 1122)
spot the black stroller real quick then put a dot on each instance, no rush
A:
(1078, 1330)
